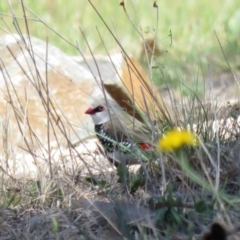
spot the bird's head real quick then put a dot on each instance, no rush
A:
(100, 111)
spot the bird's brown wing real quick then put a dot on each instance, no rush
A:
(122, 98)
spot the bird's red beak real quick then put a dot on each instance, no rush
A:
(90, 111)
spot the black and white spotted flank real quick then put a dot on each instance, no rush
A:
(109, 143)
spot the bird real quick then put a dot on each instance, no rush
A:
(117, 133)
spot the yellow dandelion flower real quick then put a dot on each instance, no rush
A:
(175, 139)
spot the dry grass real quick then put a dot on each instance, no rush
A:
(72, 192)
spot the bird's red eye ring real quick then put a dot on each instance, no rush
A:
(100, 108)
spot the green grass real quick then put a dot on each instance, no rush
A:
(189, 51)
(193, 44)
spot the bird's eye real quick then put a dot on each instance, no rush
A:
(100, 108)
